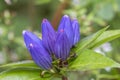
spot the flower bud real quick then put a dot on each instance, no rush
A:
(76, 31)
(62, 46)
(34, 45)
(48, 36)
(66, 25)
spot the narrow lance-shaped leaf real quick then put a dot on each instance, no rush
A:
(105, 37)
(84, 43)
(88, 60)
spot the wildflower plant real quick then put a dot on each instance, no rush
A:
(59, 52)
(54, 45)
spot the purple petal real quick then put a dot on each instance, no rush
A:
(66, 25)
(37, 51)
(62, 46)
(76, 31)
(48, 36)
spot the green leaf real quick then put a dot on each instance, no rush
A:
(105, 37)
(89, 59)
(22, 64)
(38, 2)
(84, 43)
(22, 74)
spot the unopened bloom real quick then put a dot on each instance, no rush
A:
(48, 36)
(66, 25)
(34, 45)
(76, 31)
(62, 46)
(53, 43)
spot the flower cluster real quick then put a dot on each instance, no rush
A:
(53, 43)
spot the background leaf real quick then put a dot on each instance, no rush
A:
(104, 9)
(22, 74)
(89, 59)
(22, 64)
(38, 2)
(28, 63)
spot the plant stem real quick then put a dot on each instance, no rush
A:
(64, 78)
(58, 13)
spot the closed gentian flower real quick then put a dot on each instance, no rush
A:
(66, 25)
(48, 36)
(53, 43)
(76, 31)
(34, 45)
(62, 46)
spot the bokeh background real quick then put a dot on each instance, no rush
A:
(93, 15)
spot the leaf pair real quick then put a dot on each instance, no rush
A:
(88, 59)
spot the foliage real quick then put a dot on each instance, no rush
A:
(86, 60)
(17, 15)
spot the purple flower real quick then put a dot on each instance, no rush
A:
(62, 46)
(76, 31)
(66, 25)
(48, 36)
(34, 45)
(53, 43)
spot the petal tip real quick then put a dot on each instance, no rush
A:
(66, 16)
(44, 20)
(24, 31)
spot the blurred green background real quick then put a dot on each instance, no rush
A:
(18, 15)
